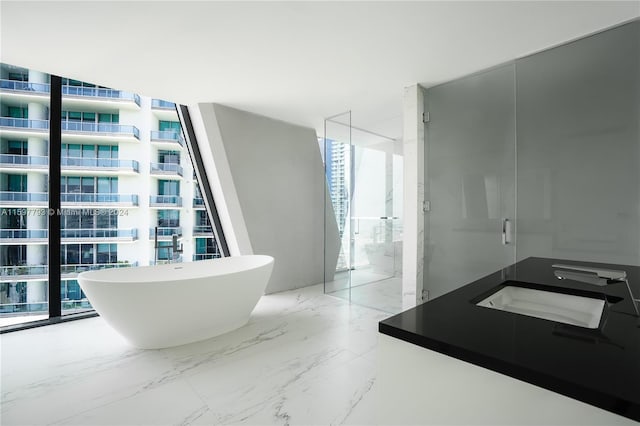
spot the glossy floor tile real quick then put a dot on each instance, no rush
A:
(368, 287)
(303, 358)
(384, 295)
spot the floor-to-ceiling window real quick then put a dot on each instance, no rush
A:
(124, 193)
(24, 180)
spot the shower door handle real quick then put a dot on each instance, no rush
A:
(506, 231)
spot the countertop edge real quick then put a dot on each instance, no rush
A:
(616, 405)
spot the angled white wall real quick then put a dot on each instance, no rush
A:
(268, 181)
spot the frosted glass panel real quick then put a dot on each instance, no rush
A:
(470, 178)
(578, 176)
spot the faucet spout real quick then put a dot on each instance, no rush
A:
(609, 274)
(582, 277)
(596, 276)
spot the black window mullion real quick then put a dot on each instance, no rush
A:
(205, 188)
(55, 145)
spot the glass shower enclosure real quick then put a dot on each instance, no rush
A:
(539, 157)
(364, 176)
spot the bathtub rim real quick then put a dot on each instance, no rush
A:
(123, 276)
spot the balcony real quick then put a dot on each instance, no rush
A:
(108, 200)
(17, 127)
(32, 310)
(14, 199)
(33, 162)
(97, 234)
(178, 259)
(79, 128)
(22, 236)
(69, 93)
(70, 270)
(99, 93)
(12, 87)
(100, 164)
(165, 169)
(198, 203)
(24, 162)
(24, 86)
(164, 110)
(165, 232)
(205, 256)
(167, 136)
(163, 105)
(40, 272)
(23, 273)
(21, 126)
(202, 231)
(26, 199)
(165, 201)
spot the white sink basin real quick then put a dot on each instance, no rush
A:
(565, 308)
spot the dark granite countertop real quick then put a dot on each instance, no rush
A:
(598, 366)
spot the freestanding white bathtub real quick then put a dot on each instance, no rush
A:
(169, 305)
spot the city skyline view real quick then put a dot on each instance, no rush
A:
(125, 175)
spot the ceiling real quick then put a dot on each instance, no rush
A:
(294, 61)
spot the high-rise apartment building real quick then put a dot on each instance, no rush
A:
(338, 157)
(125, 173)
(337, 165)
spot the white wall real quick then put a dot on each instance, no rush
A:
(269, 184)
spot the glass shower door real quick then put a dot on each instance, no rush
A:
(469, 179)
(364, 176)
(376, 223)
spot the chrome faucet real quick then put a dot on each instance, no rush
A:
(596, 276)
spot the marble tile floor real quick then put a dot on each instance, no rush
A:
(344, 279)
(303, 358)
(384, 295)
